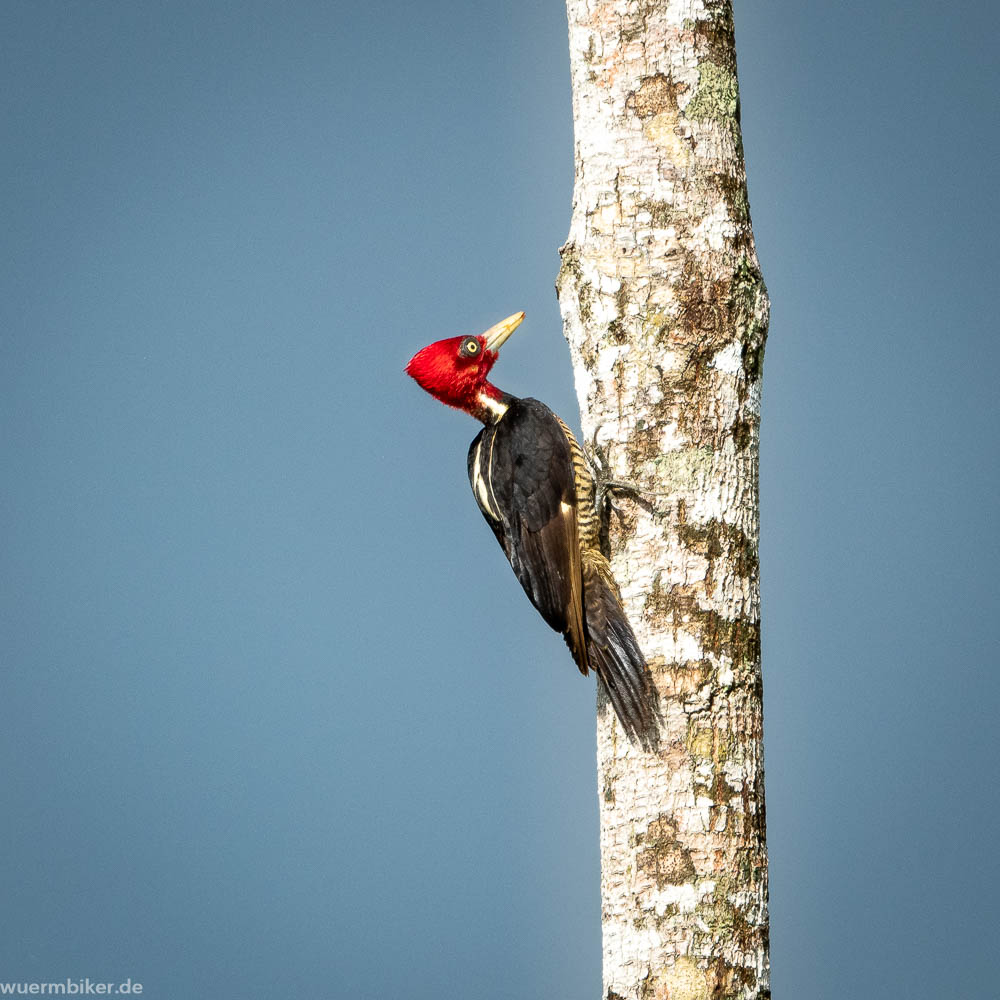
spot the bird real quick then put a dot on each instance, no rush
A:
(534, 486)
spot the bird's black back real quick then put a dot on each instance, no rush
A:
(521, 473)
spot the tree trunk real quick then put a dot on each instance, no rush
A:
(666, 312)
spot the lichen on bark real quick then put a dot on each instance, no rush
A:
(665, 312)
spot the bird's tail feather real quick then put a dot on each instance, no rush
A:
(614, 653)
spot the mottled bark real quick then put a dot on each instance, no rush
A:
(666, 314)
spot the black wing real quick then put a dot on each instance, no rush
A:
(521, 472)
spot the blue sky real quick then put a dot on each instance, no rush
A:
(276, 718)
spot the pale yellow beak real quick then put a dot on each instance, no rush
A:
(497, 335)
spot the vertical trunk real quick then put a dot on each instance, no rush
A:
(666, 313)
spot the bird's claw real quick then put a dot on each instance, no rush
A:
(604, 485)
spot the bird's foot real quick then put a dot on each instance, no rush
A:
(605, 487)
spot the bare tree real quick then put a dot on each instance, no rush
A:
(665, 311)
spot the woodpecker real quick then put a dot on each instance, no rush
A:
(534, 487)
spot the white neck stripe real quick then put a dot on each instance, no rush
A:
(493, 405)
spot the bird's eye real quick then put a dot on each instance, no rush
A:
(470, 348)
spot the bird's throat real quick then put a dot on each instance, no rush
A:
(491, 404)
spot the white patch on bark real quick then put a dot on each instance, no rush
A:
(728, 360)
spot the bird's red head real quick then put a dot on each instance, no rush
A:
(454, 370)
